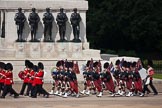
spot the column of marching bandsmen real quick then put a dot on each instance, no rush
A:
(121, 79)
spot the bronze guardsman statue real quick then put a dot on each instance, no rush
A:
(75, 20)
(61, 21)
(33, 21)
(48, 21)
(19, 21)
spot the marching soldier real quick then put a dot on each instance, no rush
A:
(25, 77)
(107, 79)
(2, 79)
(129, 80)
(56, 75)
(150, 72)
(96, 79)
(137, 81)
(70, 79)
(123, 78)
(116, 73)
(8, 81)
(38, 82)
(88, 80)
(32, 70)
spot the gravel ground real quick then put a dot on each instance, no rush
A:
(149, 101)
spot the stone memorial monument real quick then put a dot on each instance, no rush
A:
(46, 52)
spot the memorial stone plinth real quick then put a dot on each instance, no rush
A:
(46, 52)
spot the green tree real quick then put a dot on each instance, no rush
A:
(125, 24)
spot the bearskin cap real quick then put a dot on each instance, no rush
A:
(106, 65)
(30, 65)
(27, 62)
(117, 62)
(124, 64)
(71, 64)
(67, 64)
(95, 64)
(58, 64)
(128, 64)
(2, 65)
(40, 65)
(9, 66)
(134, 64)
(35, 68)
(88, 63)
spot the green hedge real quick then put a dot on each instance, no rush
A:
(158, 76)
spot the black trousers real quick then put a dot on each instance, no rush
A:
(8, 89)
(23, 88)
(1, 87)
(76, 31)
(38, 89)
(29, 88)
(152, 87)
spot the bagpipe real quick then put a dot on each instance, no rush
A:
(76, 68)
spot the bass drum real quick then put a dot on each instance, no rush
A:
(21, 75)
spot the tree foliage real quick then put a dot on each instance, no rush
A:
(125, 24)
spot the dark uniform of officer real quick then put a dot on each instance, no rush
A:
(33, 21)
(75, 20)
(61, 21)
(47, 21)
(19, 21)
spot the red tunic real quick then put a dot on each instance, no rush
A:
(8, 78)
(38, 77)
(2, 79)
(31, 76)
(26, 78)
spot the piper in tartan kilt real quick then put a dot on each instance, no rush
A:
(88, 80)
(107, 80)
(137, 81)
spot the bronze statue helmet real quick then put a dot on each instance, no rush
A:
(61, 9)
(19, 9)
(47, 9)
(33, 9)
(75, 9)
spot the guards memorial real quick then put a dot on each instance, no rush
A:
(46, 52)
